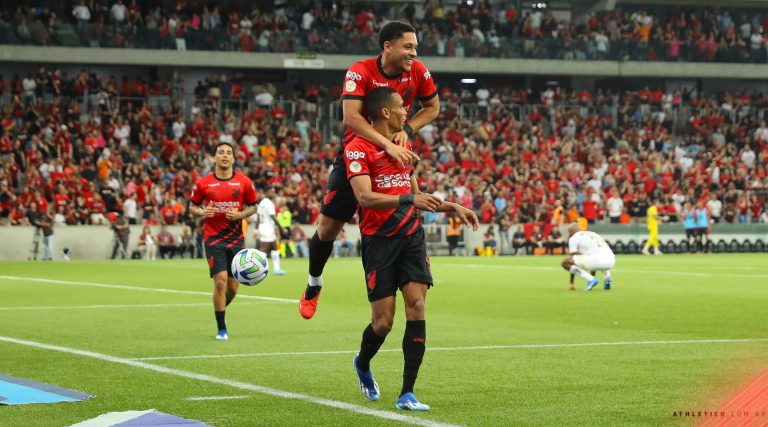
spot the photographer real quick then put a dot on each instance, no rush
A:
(43, 222)
(122, 230)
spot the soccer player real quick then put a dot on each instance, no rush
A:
(588, 252)
(269, 229)
(653, 228)
(393, 244)
(227, 197)
(396, 68)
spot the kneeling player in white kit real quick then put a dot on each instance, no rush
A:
(588, 252)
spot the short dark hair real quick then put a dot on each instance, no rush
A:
(220, 143)
(377, 99)
(394, 30)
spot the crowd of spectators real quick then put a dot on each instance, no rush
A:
(514, 155)
(468, 29)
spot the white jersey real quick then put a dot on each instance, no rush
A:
(266, 211)
(594, 252)
(587, 243)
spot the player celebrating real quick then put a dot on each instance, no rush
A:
(398, 69)
(588, 252)
(393, 245)
(228, 197)
(268, 229)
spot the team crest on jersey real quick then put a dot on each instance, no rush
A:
(350, 86)
(236, 194)
(355, 167)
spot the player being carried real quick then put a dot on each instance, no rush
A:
(396, 67)
(588, 252)
(394, 249)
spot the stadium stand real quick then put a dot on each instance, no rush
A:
(87, 144)
(467, 29)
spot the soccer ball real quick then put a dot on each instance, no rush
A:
(250, 267)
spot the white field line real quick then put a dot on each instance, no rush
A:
(100, 306)
(138, 288)
(478, 347)
(393, 416)
(620, 270)
(217, 398)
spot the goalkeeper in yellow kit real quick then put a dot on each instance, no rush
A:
(653, 228)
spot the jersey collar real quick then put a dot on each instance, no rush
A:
(383, 73)
(223, 179)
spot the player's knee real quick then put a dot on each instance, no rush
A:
(382, 326)
(567, 263)
(414, 310)
(220, 283)
(328, 228)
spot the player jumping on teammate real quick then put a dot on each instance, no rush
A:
(398, 69)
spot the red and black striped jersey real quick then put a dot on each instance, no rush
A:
(225, 194)
(366, 75)
(387, 177)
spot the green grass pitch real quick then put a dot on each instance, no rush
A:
(510, 344)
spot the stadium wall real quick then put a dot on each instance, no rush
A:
(95, 242)
(475, 66)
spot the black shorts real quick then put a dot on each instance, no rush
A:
(391, 262)
(220, 258)
(690, 232)
(339, 200)
(702, 231)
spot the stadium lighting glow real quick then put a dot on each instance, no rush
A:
(469, 81)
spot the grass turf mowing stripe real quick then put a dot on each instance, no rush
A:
(137, 288)
(467, 348)
(231, 383)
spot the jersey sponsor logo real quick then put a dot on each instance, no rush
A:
(405, 79)
(222, 207)
(215, 184)
(350, 86)
(351, 75)
(379, 153)
(234, 184)
(377, 84)
(355, 155)
(355, 167)
(393, 180)
(427, 75)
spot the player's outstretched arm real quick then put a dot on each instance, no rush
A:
(357, 123)
(468, 217)
(369, 199)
